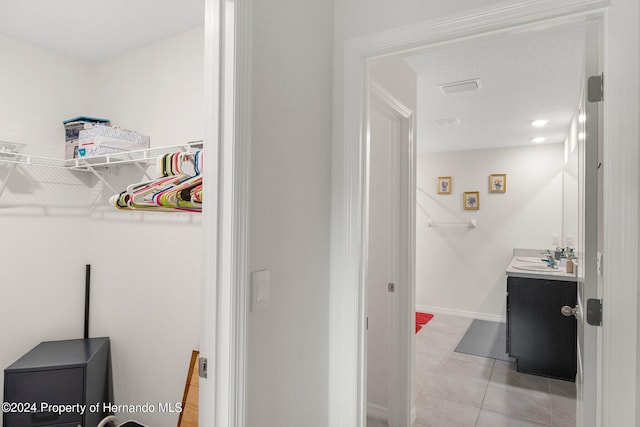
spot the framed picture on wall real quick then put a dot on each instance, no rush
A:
(498, 183)
(471, 200)
(444, 185)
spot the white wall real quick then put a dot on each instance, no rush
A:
(156, 90)
(42, 274)
(287, 383)
(395, 76)
(40, 89)
(146, 267)
(462, 271)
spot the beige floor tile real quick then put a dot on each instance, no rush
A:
(436, 343)
(472, 358)
(523, 381)
(436, 412)
(495, 419)
(376, 422)
(465, 370)
(562, 388)
(448, 385)
(525, 404)
(563, 411)
(427, 363)
(448, 324)
(503, 364)
(455, 389)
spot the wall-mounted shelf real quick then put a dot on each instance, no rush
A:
(11, 153)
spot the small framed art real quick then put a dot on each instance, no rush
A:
(444, 185)
(498, 183)
(471, 200)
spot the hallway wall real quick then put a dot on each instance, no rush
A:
(289, 212)
(459, 270)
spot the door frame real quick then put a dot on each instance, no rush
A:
(347, 377)
(226, 171)
(590, 236)
(400, 410)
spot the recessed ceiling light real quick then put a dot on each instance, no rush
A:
(539, 123)
(539, 139)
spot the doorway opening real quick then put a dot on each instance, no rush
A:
(368, 54)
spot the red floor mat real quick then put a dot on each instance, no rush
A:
(423, 318)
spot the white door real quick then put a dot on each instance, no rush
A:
(389, 278)
(590, 240)
(381, 260)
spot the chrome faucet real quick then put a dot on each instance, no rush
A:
(549, 259)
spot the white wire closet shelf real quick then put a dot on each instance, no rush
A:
(11, 154)
(8, 154)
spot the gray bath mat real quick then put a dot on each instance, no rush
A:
(486, 339)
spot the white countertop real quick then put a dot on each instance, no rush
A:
(528, 263)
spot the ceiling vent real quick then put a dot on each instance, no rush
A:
(461, 86)
(447, 123)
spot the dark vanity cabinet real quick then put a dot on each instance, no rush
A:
(59, 383)
(541, 339)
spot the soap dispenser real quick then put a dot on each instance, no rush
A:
(570, 264)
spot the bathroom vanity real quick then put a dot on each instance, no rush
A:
(539, 336)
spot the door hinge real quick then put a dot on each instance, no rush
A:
(594, 312)
(202, 367)
(391, 287)
(595, 88)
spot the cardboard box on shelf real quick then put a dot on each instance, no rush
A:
(72, 131)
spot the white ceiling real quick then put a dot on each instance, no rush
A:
(524, 77)
(94, 30)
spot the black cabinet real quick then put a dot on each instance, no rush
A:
(541, 339)
(59, 383)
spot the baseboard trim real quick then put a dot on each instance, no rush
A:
(462, 313)
(377, 411)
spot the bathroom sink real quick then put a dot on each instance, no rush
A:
(529, 258)
(531, 266)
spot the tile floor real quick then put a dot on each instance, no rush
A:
(460, 390)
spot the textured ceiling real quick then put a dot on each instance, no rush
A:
(524, 77)
(94, 30)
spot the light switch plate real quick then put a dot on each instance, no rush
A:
(599, 263)
(260, 290)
